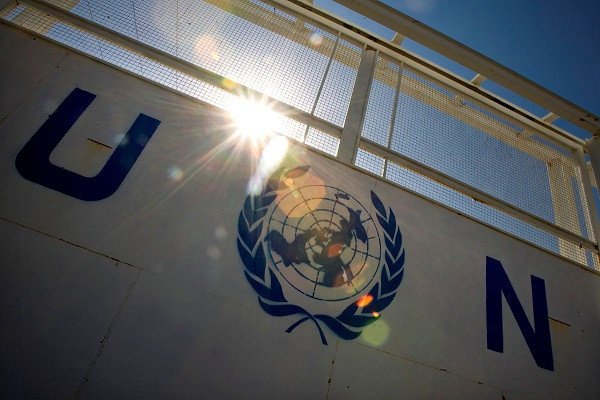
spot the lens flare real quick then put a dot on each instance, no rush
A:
(175, 173)
(307, 192)
(271, 157)
(228, 83)
(213, 252)
(316, 39)
(207, 48)
(377, 333)
(220, 232)
(253, 118)
(364, 301)
(273, 154)
(335, 250)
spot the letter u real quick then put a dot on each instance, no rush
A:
(33, 161)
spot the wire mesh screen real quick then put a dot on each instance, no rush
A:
(313, 68)
(274, 52)
(450, 132)
(117, 55)
(322, 141)
(370, 162)
(382, 104)
(332, 104)
(464, 204)
(263, 47)
(440, 193)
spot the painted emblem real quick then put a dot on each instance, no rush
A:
(314, 250)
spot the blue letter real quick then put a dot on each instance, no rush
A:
(538, 339)
(33, 161)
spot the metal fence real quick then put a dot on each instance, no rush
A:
(352, 97)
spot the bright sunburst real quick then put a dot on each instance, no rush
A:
(253, 118)
(255, 123)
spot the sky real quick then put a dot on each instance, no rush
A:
(553, 43)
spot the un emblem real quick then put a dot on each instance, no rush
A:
(316, 251)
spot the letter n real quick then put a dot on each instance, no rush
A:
(537, 337)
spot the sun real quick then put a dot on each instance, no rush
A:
(253, 118)
(257, 128)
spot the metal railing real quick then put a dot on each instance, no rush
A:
(351, 96)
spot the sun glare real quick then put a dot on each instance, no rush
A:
(270, 159)
(255, 124)
(253, 118)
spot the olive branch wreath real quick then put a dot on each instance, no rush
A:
(263, 280)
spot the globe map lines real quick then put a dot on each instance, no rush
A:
(328, 244)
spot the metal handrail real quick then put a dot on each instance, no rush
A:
(456, 82)
(307, 118)
(437, 41)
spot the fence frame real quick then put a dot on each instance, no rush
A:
(349, 135)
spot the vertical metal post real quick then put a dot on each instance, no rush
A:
(358, 107)
(394, 112)
(318, 96)
(322, 85)
(589, 197)
(395, 105)
(593, 149)
(565, 208)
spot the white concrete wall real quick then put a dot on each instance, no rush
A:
(135, 296)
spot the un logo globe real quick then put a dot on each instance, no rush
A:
(307, 246)
(323, 242)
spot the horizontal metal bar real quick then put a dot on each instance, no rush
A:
(437, 41)
(302, 116)
(476, 194)
(196, 71)
(283, 26)
(437, 72)
(454, 108)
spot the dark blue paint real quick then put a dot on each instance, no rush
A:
(33, 161)
(347, 325)
(538, 338)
